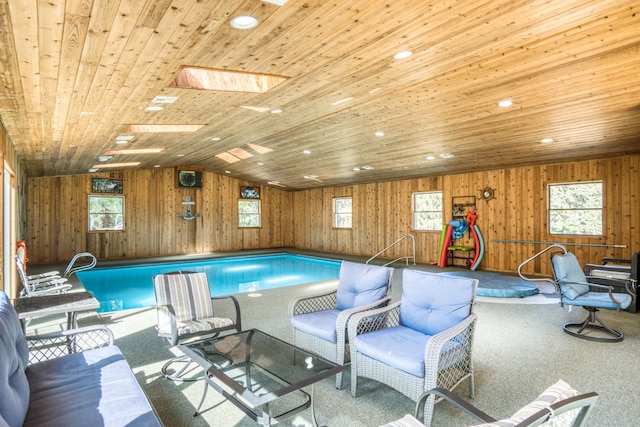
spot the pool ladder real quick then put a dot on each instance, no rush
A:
(406, 258)
(72, 268)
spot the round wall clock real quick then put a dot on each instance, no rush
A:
(487, 193)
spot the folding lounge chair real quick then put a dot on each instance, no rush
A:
(40, 285)
(614, 271)
(558, 406)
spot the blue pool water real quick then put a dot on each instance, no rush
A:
(121, 288)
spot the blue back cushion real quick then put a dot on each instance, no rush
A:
(569, 275)
(10, 318)
(14, 388)
(432, 303)
(361, 284)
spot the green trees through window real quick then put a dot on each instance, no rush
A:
(106, 213)
(427, 211)
(342, 212)
(576, 208)
(248, 213)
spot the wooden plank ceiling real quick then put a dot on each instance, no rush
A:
(77, 73)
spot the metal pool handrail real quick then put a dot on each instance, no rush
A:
(406, 258)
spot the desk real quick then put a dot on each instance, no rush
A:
(260, 374)
(70, 304)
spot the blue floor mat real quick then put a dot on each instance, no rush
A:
(497, 285)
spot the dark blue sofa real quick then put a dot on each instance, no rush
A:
(94, 387)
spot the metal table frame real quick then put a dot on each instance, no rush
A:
(239, 367)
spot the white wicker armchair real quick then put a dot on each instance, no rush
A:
(422, 342)
(319, 322)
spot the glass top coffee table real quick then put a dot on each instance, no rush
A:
(261, 374)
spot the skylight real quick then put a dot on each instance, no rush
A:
(163, 128)
(227, 81)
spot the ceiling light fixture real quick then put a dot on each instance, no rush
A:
(163, 128)
(116, 165)
(164, 99)
(124, 138)
(447, 155)
(307, 151)
(379, 133)
(430, 158)
(135, 151)
(403, 55)
(94, 170)
(505, 103)
(276, 111)
(154, 108)
(104, 158)
(546, 140)
(244, 22)
(216, 138)
(356, 169)
(341, 101)
(367, 168)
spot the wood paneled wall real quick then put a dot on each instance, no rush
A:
(58, 217)
(382, 214)
(303, 219)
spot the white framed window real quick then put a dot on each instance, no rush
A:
(106, 213)
(342, 212)
(576, 208)
(427, 211)
(248, 213)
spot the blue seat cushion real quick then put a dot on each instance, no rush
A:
(361, 284)
(93, 388)
(321, 324)
(399, 347)
(599, 300)
(14, 388)
(569, 275)
(432, 303)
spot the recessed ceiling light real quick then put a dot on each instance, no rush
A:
(403, 55)
(546, 140)
(104, 158)
(341, 101)
(367, 168)
(307, 152)
(244, 22)
(157, 166)
(447, 155)
(276, 111)
(154, 108)
(227, 171)
(124, 138)
(430, 158)
(379, 133)
(94, 170)
(260, 164)
(356, 169)
(180, 155)
(505, 103)
(216, 138)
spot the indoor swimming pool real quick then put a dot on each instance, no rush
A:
(126, 287)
